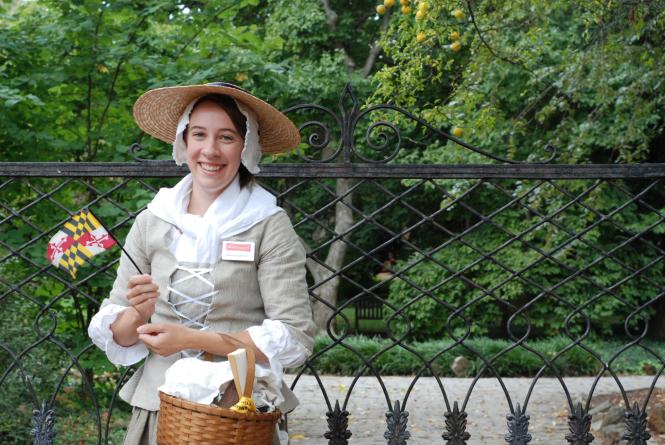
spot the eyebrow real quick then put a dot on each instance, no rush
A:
(220, 129)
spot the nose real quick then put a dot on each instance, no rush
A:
(209, 148)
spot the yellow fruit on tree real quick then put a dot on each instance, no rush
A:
(388, 3)
(404, 2)
(406, 9)
(420, 15)
(457, 132)
(423, 6)
(458, 14)
(454, 35)
(380, 9)
(420, 37)
(456, 46)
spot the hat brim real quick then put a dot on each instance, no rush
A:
(158, 111)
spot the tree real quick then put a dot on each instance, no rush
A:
(72, 70)
(328, 44)
(515, 77)
(587, 74)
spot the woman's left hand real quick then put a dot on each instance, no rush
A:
(164, 338)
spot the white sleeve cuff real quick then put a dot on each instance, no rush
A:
(276, 342)
(101, 335)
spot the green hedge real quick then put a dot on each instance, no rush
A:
(518, 362)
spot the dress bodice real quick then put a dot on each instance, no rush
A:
(191, 291)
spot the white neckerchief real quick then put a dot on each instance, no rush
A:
(251, 151)
(234, 211)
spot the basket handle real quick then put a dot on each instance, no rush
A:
(251, 368)
(249, 377)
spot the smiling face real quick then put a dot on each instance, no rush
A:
(214, 146)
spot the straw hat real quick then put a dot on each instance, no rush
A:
(157, 113)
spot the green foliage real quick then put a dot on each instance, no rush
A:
(436, 356)
(106, 55)
(585, 77)
(546, 270)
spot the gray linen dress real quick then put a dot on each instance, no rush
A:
(273, 286)
(190, 296)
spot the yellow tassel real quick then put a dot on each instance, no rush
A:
(244, 405)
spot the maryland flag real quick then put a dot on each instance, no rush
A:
(81, 238)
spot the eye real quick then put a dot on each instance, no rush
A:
(198, 134)
(227, 137)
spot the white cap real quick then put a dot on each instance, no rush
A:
(251, 151)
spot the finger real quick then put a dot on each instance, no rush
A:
(148, 340)
(150, 328)
(147, 303)
(142, 288)
(139, 279)
(142, 298)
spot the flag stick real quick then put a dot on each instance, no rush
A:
(116, 240)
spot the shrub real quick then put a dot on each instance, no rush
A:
(494, 273)
(348, 357)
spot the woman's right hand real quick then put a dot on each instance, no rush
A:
(142, 294)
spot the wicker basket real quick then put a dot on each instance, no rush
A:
(184, 422)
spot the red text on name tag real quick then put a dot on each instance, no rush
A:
(244, 247)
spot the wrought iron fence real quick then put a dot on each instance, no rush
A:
(517, 250)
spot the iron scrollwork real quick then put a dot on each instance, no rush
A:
(377, 135)
(518, 427)
(136, 148)
(579, 423)
(43, 430)
(636, 424)
(338, 422)
(456, 433)
(397, 419)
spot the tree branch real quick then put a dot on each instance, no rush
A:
(88, 121)
(375, 50)
(333, 18)
(200, 30)
(109, 95)
(489, 48)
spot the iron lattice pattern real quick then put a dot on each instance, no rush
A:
(452, 260)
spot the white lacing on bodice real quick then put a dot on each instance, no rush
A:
(190, 298)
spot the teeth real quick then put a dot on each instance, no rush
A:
(210, 167)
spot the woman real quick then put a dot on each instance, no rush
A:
(222, 266)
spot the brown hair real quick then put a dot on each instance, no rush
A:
(239, 120)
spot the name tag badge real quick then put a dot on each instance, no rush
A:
(238, 250)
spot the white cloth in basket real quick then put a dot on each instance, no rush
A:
(200, 381)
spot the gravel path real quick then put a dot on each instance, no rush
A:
(487, 407)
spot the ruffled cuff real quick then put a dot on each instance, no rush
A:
(101, 335)
(276, 342)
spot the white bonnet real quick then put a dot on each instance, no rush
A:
(251, 152)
